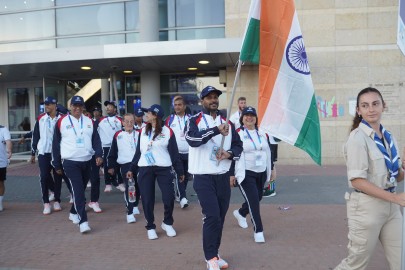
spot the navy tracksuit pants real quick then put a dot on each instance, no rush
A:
(181, 187)
(47, 182)
(252, 190)
(108, 178)
(146, 179)
(130, 205)
(78, 173)
(214, 194)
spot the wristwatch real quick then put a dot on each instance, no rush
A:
(231, 153)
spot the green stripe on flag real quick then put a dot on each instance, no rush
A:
(251, 44)
(309, 138)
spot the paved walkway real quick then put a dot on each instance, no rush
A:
(309, 235)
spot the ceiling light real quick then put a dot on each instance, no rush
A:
(127, 71)
(204, 62)
(192, 68)
(85, 68)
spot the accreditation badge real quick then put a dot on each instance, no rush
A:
(214, 152)
(79, 142)
(259, 159)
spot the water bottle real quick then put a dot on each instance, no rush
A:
(131, 190)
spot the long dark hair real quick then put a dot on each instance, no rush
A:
(357, 118)
(158, 127)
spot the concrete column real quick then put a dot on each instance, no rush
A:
(105, 93)
(148, 20)
(150, 88)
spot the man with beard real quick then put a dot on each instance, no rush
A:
(210, 166)
(236, 116)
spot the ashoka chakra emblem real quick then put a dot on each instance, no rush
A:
(297, 56)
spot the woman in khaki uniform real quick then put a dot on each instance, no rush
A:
(373, 169)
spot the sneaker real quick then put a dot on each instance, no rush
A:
(259, 237)
(183, 203)
(241, 220)
(84, 227)
(89, 184)
(222, 264)
(273, 194)
(71, 199)
(108, 188)
(135, 210)
(47, 209)
(57, 207)
(152, 234)
(213, 264)
(121, 187)
(131, 219)
(74, 218)
(169, 230)
(95, 206)
(51, 196)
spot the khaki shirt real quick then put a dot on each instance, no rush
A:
(365, 160)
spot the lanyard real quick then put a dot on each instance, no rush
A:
(133, 135)
(250, 137)
(205, 120)
(81, 124)
(178, 119)
(113, 128)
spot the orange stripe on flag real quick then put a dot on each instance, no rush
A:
(275, 23)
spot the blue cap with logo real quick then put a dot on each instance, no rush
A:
(249, 110)
(209, 89)
(77, 100)
(139, 112)
(155, 108)
(50, 100)
(108, 102)
(61, 109)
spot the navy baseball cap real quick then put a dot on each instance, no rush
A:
(50, 100)
(209, 89)
(156, 109)
(108, 102)
(249, 110)
(77, 100)
(139, 112)
(97, 109)
(61, 109)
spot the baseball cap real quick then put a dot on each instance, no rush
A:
(50, 100)
(156, 109)
(61, 109)
(108, 102)
(209, 89)
(97, 109)
(139, 112)
(249, 110)
(77, 100)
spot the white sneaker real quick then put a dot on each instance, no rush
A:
(152, 234)
(74, 218)
(84, 227)
(273, 194)
(47, 209)
(108, 188)
(89, 184)
(213, 264)
(71, 199)
(183, 203)
(51, 196)
(259, 237)
(95, 206)
(222, 264)
(135, 210)
(57, 207)
(121, 187)
(241, 220)
(131, 219)
(169, 230)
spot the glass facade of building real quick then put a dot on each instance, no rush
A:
(47, 24)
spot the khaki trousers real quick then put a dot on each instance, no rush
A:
(369, 220)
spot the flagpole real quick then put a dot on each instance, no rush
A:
(228, 111)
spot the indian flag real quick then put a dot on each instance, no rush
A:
(287, 107)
